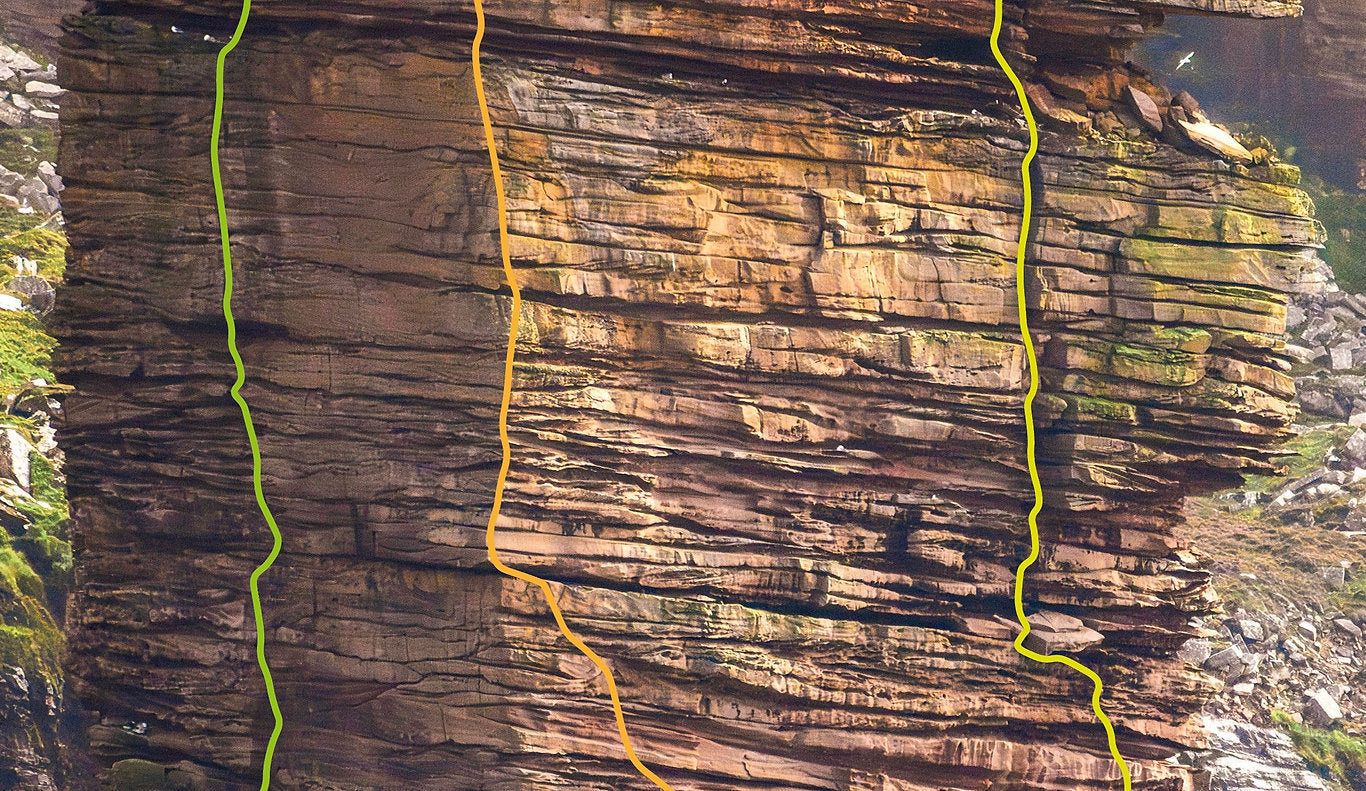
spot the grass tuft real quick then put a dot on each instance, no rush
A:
(1335, 755)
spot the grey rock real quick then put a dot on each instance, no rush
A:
(1355, 449)
(41, 296)
(1295, 316)
(1303, 354)
(1318, 400)
(1145, 108)
(1195, 651)
(18, 61)
(35, 193)
(1247, 758)
(1348, 627)
(1320, 709)
(47, 173)
(1318, 329)
(45, 90)
(1340, 357)
(1251, 629)
(1307, 630)
(1333, 576)
(12, 116)
(15, 451)
(1225, 658)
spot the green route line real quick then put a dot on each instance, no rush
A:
(1031, 455)
(236, 392)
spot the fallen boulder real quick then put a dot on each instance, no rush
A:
(1216, 140)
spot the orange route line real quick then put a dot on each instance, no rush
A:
(546, 591)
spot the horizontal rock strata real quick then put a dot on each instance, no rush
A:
(766, 435)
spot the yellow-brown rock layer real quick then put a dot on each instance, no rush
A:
(767, 436)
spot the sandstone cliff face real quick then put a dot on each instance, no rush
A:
(767, 434)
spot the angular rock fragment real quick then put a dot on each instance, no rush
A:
(38, 294)
(1144, 107)
(1251, 630)
(12, 116)
(1320, 709)
(47, 173)
(1225, 658)
(1195, 651)
(1190, 107)
(1333, 576)
(1052, 632)
(44, 90)
(1354, 450)
(15, 451)
(1214, 139)
(18, 61)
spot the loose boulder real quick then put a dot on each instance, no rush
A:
(1216, 140)
(1144, 107)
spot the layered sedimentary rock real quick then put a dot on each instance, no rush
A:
(767, 438)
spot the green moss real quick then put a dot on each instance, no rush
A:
(29, 637)
(44, 246)
(25, 350)
(25, 235)
(48, 494)
(1351, 596)
(1091, 408)
(1186, 339)
(1309, 450)
(22, 149)
(1333, 754)
(43, 543)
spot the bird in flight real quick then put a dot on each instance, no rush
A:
(1185, 61)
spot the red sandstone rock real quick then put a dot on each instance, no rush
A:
(766, 438)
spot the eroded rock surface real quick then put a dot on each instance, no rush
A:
(767, 435)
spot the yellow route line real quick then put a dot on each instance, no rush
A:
(236, 392)
(1030, 440)
(546, 591)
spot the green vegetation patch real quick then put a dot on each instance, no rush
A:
(44, 542)
(21, 150)
(1309, 450)
(1334, 754)
(28, 236)
(25, 350)
(1092, 408)
(29, 637)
